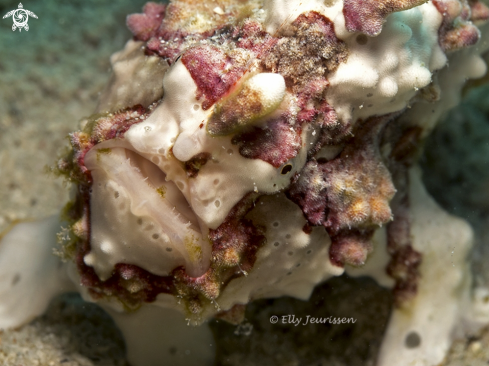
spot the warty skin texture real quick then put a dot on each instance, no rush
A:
(253, 150)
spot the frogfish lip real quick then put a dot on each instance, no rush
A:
(139, 217)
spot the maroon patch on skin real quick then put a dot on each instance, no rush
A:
(368, 16)
(102, 128)
(275, 144)
(404, 268)
(235, 244)
(352, 247)
(163, 28)
(359, 184)
(193, 165)
(307, 228)
(350, 190)
(311, 100)
(348, 195)
(312, 36)
(117, 124)
(130, 283)
(144, 26)
(404, 264)
(156, 26)
(479, 11)
(332, 133)
(251, 36)
(309, 191)
(169, 49)
(213, 72)
(314, 109)
(456, 30)
(237, 234)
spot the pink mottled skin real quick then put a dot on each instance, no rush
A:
(315, 110)
(213, 71)
(404, 263)
(313, 91)
(234, 246)
(275, 144)
(456, 31)
(368, 16)
(313, 35)
(479, 11)
(310, 197)
(251, 36)
(101, 128)
(348, 195)
(352, 247)
(144, 26)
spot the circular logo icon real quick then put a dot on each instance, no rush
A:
(20, 17)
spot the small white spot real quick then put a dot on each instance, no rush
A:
(106, 247)
(218, 10)
(89, 259)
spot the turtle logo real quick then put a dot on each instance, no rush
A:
(20, 17)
